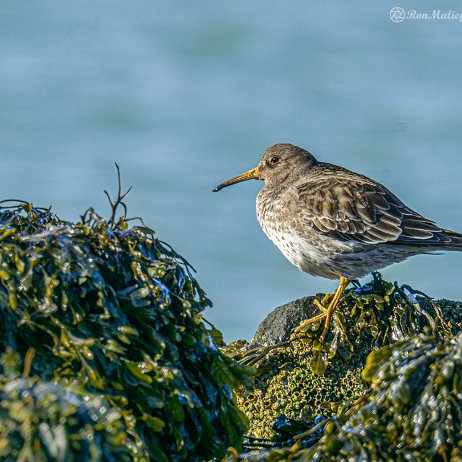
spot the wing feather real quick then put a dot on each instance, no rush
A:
(359, 209)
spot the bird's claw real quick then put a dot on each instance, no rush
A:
(303, 326)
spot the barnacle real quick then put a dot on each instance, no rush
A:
(397, 396)
(413, 411)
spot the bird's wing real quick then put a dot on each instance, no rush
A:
(361, 210)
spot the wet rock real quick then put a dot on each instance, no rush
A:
(411, 411)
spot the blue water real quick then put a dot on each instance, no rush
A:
(184, 95)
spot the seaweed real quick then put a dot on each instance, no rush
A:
(397, 396)
(44, 421)
(369, 316)
(412, 412)
(104, 345)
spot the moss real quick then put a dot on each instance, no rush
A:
(100, 312)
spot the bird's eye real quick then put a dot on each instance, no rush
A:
(274, 160)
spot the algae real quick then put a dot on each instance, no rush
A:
(105, 356)
(103, 348)
(413, 411)
(378, 352)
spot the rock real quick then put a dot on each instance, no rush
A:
(279, 324)
(411, 411)
(289, 382)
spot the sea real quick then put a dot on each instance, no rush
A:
(184, 95)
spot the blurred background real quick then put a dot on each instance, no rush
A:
(186, 96)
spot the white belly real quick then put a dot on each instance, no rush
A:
(309, 258)
(330, 258)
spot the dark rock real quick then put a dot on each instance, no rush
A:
(279, 324)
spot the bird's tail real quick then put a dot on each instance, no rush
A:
(452, 240)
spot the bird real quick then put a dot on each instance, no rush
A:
(331, 222)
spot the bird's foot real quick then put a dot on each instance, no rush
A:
(325, 331)
(320, 305)
(303, 326)
(327, 313)
(325, 299)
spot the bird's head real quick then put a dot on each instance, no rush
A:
(278, 163)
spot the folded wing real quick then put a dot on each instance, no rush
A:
(361, 210)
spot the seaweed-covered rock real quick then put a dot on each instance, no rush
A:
(43, 421)
(291, 401)
(100, 312)
(279, 324)
(285, 385)
(413, 411)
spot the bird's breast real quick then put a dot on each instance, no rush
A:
(304, 247)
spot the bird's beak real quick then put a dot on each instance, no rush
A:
(253, 174)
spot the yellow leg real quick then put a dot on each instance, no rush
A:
(326, 298)
(307, 322)
(333, 305)
(326, 312)
(321, 305)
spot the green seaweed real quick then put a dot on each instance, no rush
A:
(413, 411)
(368, 317)
(101, 312)
(397, 396)
(43, 421)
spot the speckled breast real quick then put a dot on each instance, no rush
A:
(305, 248)
(302, 247)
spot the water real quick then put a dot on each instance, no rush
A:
(185, 96)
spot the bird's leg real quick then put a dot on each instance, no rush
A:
(307, 322)
(321, 305)
(326, 312)
(333, 305)
(326, 298)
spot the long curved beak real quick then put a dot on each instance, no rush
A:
(253, 174)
